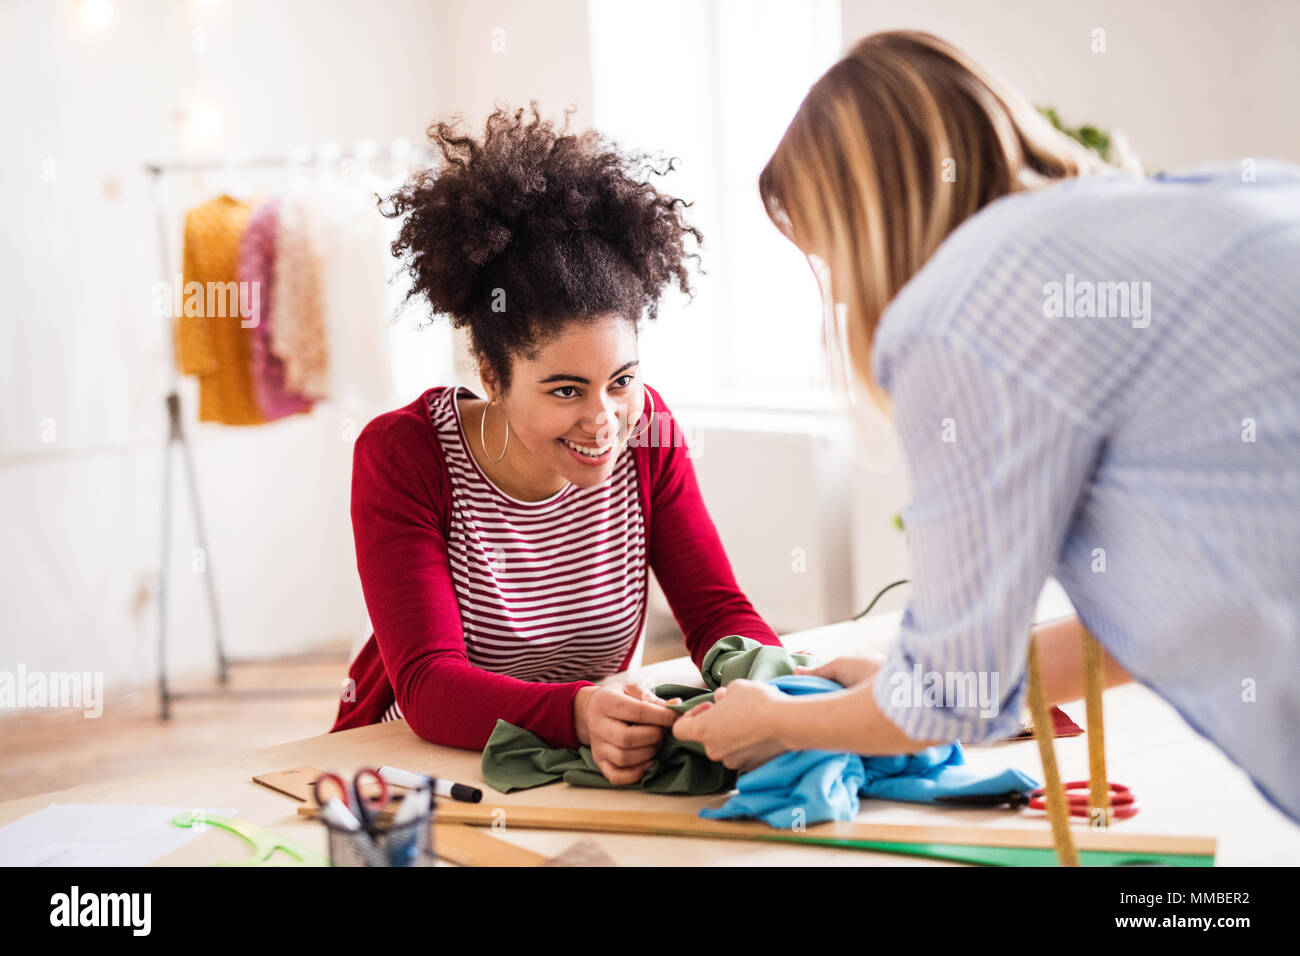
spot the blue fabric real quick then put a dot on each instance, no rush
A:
(826, 785)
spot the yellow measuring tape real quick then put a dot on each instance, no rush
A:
(1058, 813)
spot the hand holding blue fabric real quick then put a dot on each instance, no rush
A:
(813, 786)
(738, 742)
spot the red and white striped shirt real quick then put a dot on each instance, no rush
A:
(489, 609)
(551, 590)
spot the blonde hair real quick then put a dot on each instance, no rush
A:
(890, 151)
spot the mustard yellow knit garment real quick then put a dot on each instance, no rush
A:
(216, 347)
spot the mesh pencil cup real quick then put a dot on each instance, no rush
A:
(403, 844)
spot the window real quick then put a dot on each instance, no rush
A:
(715, 84)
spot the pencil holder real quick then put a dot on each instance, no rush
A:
(403, 844)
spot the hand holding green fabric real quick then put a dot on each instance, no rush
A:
(624, 725)
(515, 759)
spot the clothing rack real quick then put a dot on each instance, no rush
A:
(399, 155)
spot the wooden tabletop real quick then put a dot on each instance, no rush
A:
(1185, 785)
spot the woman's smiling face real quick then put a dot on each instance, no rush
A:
(572, 404)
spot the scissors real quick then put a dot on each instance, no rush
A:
(1123, 803)
(364, 808)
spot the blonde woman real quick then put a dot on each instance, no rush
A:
(1095, 375)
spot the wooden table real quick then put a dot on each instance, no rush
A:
(1186, 786)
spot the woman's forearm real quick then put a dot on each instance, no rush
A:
(1060, 657)
(847, 720)
(850, 720)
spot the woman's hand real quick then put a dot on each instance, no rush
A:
(846, 670)
(735, 727)
(624, 725)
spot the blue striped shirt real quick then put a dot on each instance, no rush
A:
(1100, 381)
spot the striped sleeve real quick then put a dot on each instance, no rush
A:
(997, 472)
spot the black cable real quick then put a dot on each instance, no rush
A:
(879, 594)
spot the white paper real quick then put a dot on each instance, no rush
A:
(93, 834)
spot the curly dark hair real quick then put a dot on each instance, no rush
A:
(518, 234)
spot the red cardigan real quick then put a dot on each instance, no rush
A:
(401, 500)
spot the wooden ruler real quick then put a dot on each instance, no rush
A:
(467, 846)
(294, 783)
(984, 845)
(990, 845)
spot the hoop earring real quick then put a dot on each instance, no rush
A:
(649, 421)
(483, 444)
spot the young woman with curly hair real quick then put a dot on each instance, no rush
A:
(503, 541)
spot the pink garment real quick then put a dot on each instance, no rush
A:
(257, 249)
(299, 337)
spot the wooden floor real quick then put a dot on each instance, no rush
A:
(44, 750)
(50, 749)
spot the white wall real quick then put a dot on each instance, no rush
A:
(508, 53)
(79, 258)
(1186, 81)
(775, 486)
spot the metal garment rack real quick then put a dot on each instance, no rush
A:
(304, 158)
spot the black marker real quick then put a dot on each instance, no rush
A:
(443, 788)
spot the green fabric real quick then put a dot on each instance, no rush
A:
(515, 759)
